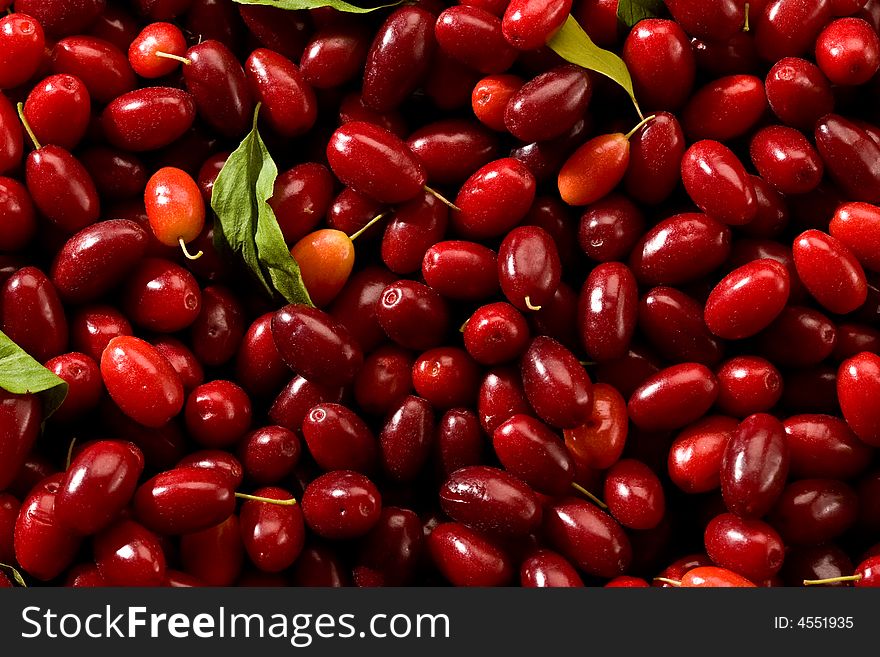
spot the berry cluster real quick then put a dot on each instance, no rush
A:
(543, 338)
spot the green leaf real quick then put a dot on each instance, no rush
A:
(16, 576)
(630, 12)
(246, 226)
(339, 5)
(20, 374)
(573, 45)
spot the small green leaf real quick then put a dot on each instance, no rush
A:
(573, 45)
(246, 226)
(630, 12)
(20, 374)
(339, 5)
(16, 576)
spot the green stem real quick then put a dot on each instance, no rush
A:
(666, 580)
(832, 580)
(267, 500)
(583, 491)
(27, 126)
(746, 26)
(70, 454)
(369, 224)
(177, 58)
(186, 252)
(16, 576)
(530, 306)
(434, 192)
(639, 125)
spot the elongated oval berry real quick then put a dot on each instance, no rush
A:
(529, 24)
(148, 119)
(798, 93)
(174, 206)
(748, 547)
(102, 67)
(214, 555)
(673, 323)
(607, 311)
(588, 537)
(273, 534)
(655, 156)
(58, 110)
(219, 88)
(44, 548)
(399, 58)
(147, 53)
(814, 511)
(23, 42)
(858, 383)
(185, 499)
(829, 271)
(312, 343)
(98, 485)
(129, 554)
(490, 500)
(406, 439)
(531, 451)
(289, 105)
(762, 286)
(31, 314)
(659, 57)
(594, 169)
(714, 577)
(462, 270)
(474, 37)
(338, 439)
(95, 259)
(851, 157)
(786, 159)
(62, 188)
(325, 258)
(453, 149)
(549, 105)
(725, 109)
(680, 249)
(335, 55)
(341, 505)
(634, 495)
(674, 397)
(754, 466)
(375, 162)
(413, 315)
(718, 184)
(466, 558)
(857, 226)
(301, 197)
(556, 384)
(494, 199)
(824, 446)
(529, 267)
(141, 381)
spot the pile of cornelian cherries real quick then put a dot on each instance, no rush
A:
(543, 336)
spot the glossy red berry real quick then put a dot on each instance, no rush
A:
(150, 50)
(556, 384)
(341, 505)
(829, 271)
(750, 548)
(762, 286)
(23, 41)
(674, 397)
(848, 51)
(466, 558)
(634, 495)
(218, 414)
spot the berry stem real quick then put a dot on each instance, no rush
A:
(177, 58)
(530, 306)
(666, 580)
(27, 126)
(69, 454)
(832, 580)
(367, 226)
(434, 192)
(639, 125)
(267, 500)
(746, 26)
(583, 491)
(186, 252)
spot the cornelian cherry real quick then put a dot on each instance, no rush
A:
(175, 208)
